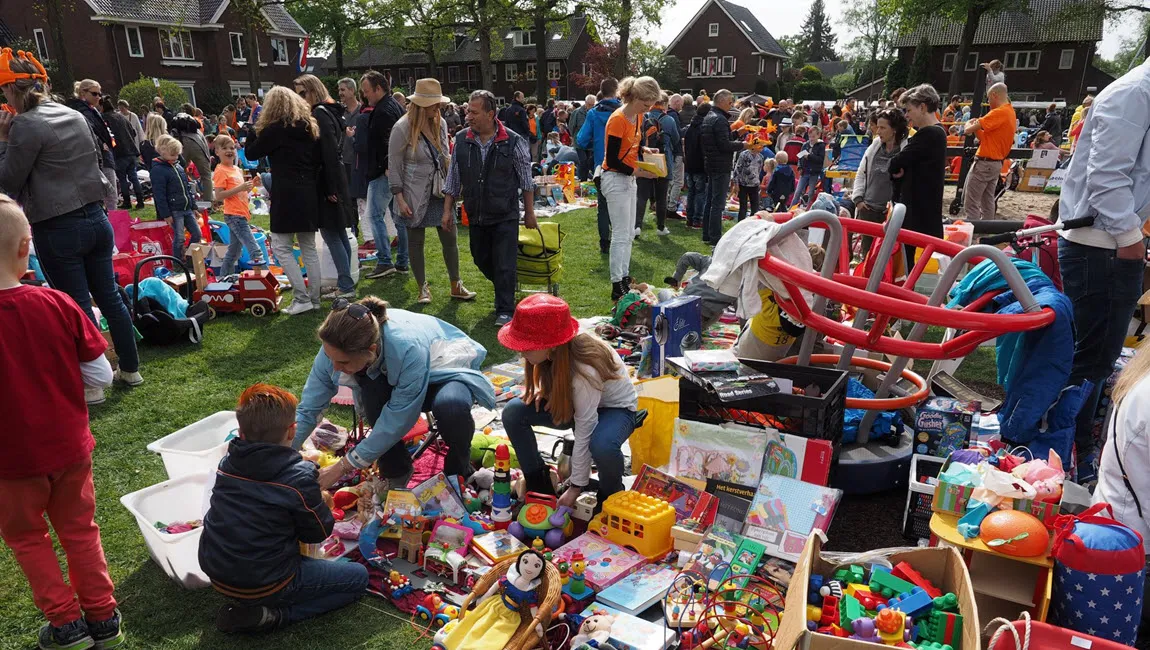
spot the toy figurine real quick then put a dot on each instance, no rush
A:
(411, 538)
(435, 611)
(495, 623)
(399, 585)
(564, 573)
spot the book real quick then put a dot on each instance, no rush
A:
(398, 503)
(793, 456)
(606, 562)
(734, 502)
(497, 545)
(785, 511)
(437, 498)
(631, 632)
(729, 452)
(638, 591)
(688, 501)
(715, 552)
(728, 386)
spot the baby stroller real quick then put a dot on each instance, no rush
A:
(1036, 241)
(156, 324)
(540, 259)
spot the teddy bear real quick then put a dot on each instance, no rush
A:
(595, 631)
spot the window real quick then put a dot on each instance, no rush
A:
(1066, 60)
(553, 71)
(237, 41)
(971, 61)
(452, 74)
(728, 66)
(176, 44)
(696, 69)
(778, 68)
(237, 88)
(510, 71)
(189, 88)
(524, 37)
(529, 71)
(254, 285)
(472, 74)
(279, 51)
(948, 61)
(713, 29)
(762, 65)
(135, 43)
(41, 44)
(1022, 60)
(712, 66)
(421, 73)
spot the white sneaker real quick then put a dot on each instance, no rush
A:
(425, 295)
(664, 232)
(93, 395)
(638, 231)
(129, 378)
(298, 307)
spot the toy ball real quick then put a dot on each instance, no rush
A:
(1016, 533)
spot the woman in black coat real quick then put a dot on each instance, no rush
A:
(288, 136)
(919, 169)
(337, 210)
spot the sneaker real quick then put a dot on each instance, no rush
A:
(107, 634)
(502, 319)
(336, 293)
(460, 292)
(71, 636)
(231, 619)
(424, 294)
(298, 307)
(129, 378)
(664, 231)
(638, 231)
(381, 271)
(93, 395)
(400, 268)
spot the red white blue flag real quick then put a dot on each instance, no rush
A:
(301, 63)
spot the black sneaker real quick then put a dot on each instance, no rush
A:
(140, 205)
(71, 636)
(107, 634)
(400, 268)
(381, 271)
(502, 319)
(232, 619)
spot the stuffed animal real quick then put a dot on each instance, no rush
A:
(597, 628)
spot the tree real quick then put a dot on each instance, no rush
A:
(816, 40)
(600, 62)
(896, 75)
(330, 23)
(875, 33)
(1130, 52)
(627, 17)
(537, 16)
(920, 64)
(648, 59)
(811, 73)
(140, 92)
(58, 65)
(843, 83)
(251, 17)
(793, 44)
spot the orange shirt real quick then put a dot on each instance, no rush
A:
(996, 137)
(227, 177)
(618, 126)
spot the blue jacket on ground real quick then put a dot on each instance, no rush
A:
(418, 350)
(593, 134)
(170, 188)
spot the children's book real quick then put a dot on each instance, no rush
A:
(438, 499)
(607, 562)
(728, 452)
(497, 545)
(631, 632)
(688, 501)
(715, 552)
(399, 503)
(805, 459)
(785, 511)
(638, 591)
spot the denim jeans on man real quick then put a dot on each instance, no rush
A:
(615, 426)
(128, 179)
(495, 249)
(378, 203)
(340, 249)
(717, 187)
(696, 198)
(75, 252)
(1105, 292)
(319, 587)
(182, 219)
(240, 233)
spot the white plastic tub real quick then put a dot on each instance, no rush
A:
(198, 447)
(174, 500)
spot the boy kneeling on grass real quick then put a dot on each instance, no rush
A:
(265, 502)
(55, 349)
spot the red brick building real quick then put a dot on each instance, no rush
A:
(725, 46)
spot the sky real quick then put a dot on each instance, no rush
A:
(782, 18)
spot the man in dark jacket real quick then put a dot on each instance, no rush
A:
(514, 116)
(719, 146)
(265, 502)
(1053, 124)
(126, 153)
(593, 135)
(695, 169)
(490, 167)
(385, 113)
(578, 118)
(547, 121)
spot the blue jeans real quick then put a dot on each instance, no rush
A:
(378, 201)
(240, 237)
(696, 198)
(340, 247)
(606, 446)
(808, 185)
(319, 587)
(717, 186)
(184, 219)
(1105, 292)
(75, 251)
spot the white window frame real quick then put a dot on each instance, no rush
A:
(1011, 60)
(948, 61)
(190, 88)
(530, 71)
(234, 39)
(713, 30)
(762, 65)
(472, 74)
(187, 53)
(41, 39)
(695, 69)
(778, 67)
(554, 70)
(723, 66)
(971, 62)
(1062, 63)
(128, 31)
(524, 38)
(510, 72)
(279, 51)
(237, 88)
(452, 74)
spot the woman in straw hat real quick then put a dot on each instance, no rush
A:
(418, 157)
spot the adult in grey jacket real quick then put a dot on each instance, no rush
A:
(719, 147)
(49, 162)
(873, 186)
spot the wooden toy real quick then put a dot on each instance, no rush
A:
(637, 521)
(254, 291)
(447, 550)
(411, 537)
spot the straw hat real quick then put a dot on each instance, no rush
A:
(541, 321)
(428, 93)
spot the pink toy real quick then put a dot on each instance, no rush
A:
(447, 549)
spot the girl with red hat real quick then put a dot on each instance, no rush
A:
(574, 381)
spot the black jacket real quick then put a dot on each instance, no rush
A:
(719, 146)
(384, 115)
(332, 180)
(1053, 125)
(514, 117)
(148, 154)
(693, 147)
(99, 128)
(547, 123)
(123, 135)
(923, 163)
(294, 157)
(266, 501)
(489, 188)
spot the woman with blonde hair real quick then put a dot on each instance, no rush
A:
(418, 157)
(86, 95)
(154, 126)
(288, 135)
(622, 152)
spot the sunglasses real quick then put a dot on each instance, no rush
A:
(354, 309)
(302, 93)
(96, 93)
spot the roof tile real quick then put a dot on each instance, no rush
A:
(755, 30)
(1042, 22)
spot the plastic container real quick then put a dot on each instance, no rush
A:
(651, 443)
(173, 500)
(920, 495)
(197, 448)
(959, 232)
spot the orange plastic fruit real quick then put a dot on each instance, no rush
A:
(1016, 533)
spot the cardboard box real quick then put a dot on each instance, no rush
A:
(1034, 180)
(952, 499)
(1044, 159)
(942, 425)
(942, 566)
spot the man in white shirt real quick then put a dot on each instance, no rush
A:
(1102, 266)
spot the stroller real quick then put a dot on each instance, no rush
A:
(540, 259)
(156, 324)
(1036, 242)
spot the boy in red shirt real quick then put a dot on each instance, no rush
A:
(47, 468)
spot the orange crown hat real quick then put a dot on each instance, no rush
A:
(7, 76)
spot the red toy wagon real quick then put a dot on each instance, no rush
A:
(254, 291)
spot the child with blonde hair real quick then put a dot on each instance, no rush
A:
(782, 183)
(172, 192)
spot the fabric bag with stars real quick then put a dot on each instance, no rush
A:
(1099, 568)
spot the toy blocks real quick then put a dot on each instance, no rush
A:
(891, 625)
(814, 590)
(830, 615)
(865, 597)
(888, 585)
(947, 603)
(908, 573)
(941, 627)
(849, 610)
(637, 521)
(932, 645)
(912, 603)
(853, 573)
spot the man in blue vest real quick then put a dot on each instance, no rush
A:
(490, 168)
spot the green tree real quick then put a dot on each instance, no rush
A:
(793, 44)
(843, 83)
(625, 18)
(811, 73)
(330, 23)
(141, 91)
(647, 58)
(816, 40)
(875, 32)
(897, 74)
(920, 64)
(1130, 53)
(58, 63)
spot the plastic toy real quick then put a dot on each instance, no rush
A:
(941, 627)
(912, 603)
(254, 291)
(435, 611)
(412, 531)
(832, 588)
(747, 558)
(398, 584)
(576, 585)
(637, 521)
(501, 511)
(447, 550)
(933, 645)
(864, 630)
(540, 518)
(892, 626)
(851, 574)
(887, 585)
(814, 589)
(907, 572)
(1016, 533)
(830, 613)
(850, 609)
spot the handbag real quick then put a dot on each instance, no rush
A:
(439, 178)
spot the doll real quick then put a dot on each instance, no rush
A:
(495, 620)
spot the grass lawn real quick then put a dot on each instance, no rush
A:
(186, 383)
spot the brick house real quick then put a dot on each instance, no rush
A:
(513, 60)
(725, 46)
(198, 44)
(1046, 57)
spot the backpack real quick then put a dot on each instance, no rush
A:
(653, 133)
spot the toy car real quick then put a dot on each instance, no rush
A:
(255, 291)
(436, 612)
(399, 585)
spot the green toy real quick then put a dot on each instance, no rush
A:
(946, 603)
(889, 586)
(483, 450)
(940, 627)
(854, 574)
(849, 609)
(932, 645)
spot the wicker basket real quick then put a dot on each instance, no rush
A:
(550, 590)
